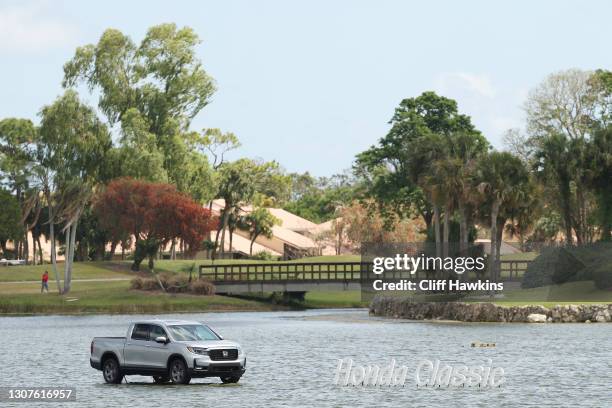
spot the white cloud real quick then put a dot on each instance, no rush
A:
(462, 82)
(30, 27)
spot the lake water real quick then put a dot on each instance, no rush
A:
(292, 358)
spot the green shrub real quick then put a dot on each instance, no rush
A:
(602, 275)
(264, 256)
(177, 284)
(553, 265)
(202, 287)
(150, 284)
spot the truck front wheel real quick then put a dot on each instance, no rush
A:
(111, 371)
(232, 379)
(178, 372)
(161, 379)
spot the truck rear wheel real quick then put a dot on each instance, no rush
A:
(111, 371)
(178, 371)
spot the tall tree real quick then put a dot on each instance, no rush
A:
(259, 222)
(156, 87)
(426, 132)
(155, 214)
(72, 150)
(503, 180)
(17, 138)
(10, 214)
(561, 113)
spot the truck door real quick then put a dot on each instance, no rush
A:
(136, 346)
(157, 353)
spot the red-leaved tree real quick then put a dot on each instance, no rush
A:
(154, 214)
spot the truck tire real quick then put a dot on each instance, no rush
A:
(232, 379)
(161, 379)
(111, 371)
(178, 371)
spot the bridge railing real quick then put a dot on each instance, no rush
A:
(278, 271)
(513, 270)
(509, 270)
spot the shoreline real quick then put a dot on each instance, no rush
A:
(403, 308)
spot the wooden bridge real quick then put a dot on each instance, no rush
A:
(301, 277)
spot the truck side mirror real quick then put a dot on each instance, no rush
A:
(161, 339)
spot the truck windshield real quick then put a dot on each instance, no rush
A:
(191, 332)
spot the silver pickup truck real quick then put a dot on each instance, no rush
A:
(168, 350)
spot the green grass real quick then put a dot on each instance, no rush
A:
(340, 299)
(520, 256)
(111, 297)
(567, 293)
(114, 296)
(81, 270)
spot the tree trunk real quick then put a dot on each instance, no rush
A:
(446, 231)
(499, 240)
(40, 251)
(26, 247)
(33, 250)
(492, 252)
(567, 211)
(52, 238)
(111, 254)
(221, 227)
(231, 240)
(69, 260)
(173, 250)
(225, 219)
(463, 230)
(436, 224)
(437, 236)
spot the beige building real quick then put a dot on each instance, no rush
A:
(294, 238)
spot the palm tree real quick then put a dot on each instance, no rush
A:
(503, 177)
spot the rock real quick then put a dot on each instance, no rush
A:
(587, 321)
(536, 318)
(405, 308)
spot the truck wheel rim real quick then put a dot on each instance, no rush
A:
(177, 371)
(109, 370)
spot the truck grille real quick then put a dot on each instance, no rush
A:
(227, 354)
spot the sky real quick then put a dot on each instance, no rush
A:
(312, 83)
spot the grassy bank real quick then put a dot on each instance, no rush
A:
(112, 297)
(103, 287)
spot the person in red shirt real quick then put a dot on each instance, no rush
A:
(45, 280)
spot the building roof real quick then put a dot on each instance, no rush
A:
(292, 221)
(243, 245)
(289, 232)
(293, 238)
(326, 226)
(219, 204)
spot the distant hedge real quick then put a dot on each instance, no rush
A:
(567, 264)
(602, 275)
(173, 283)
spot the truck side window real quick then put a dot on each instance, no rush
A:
(157, 331)
(140, 332)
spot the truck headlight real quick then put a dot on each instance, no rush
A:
(197, 350)
(240, 351)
